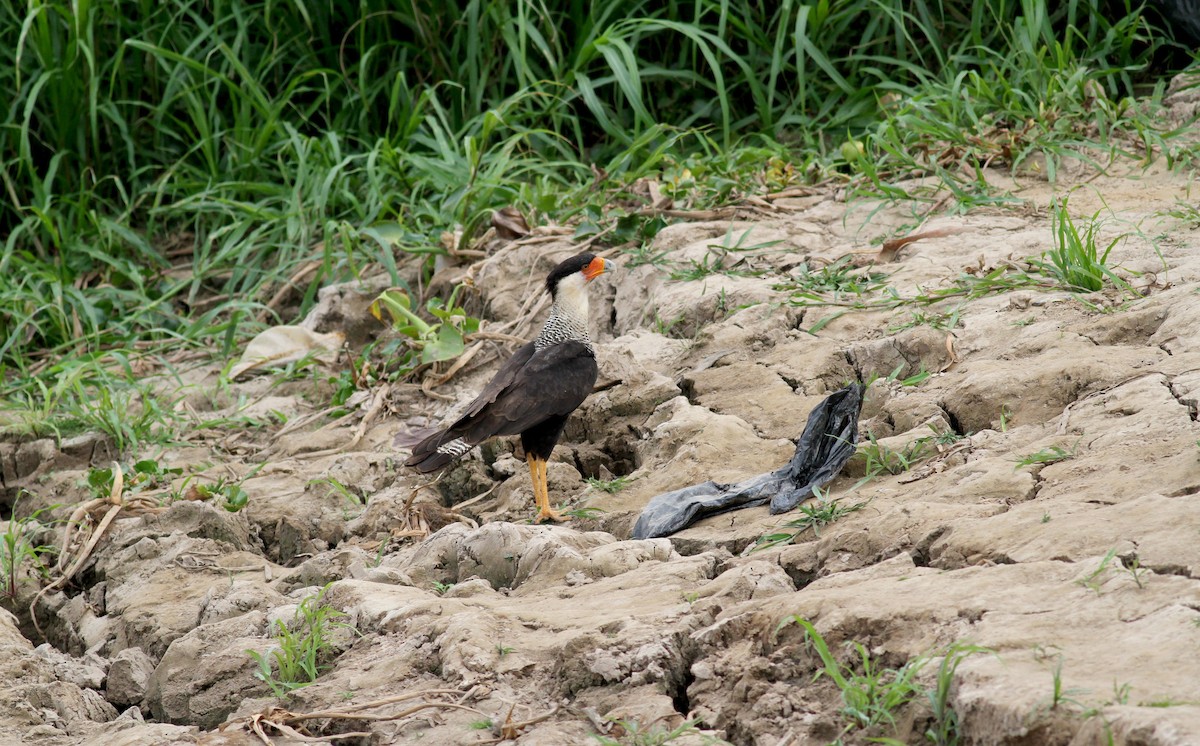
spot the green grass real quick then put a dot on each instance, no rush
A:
(1076, 261)
(302, 650)
(20, 554)
(879, 458)
(822, 511)
(1046, 456)
(872, 695)
(167, 169)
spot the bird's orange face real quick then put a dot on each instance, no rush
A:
(597, 267)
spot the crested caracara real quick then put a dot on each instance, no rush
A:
(536, 390)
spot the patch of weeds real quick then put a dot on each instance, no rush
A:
(503, 650)
(425, 342)
(838, 278)
(1185, 212)
(481, 725)
(1076, 262)
(871, 695)
(144, 475)
(665, 327)
(946, 438)
(815, 515)
(611, 486)
(440, 588)
(1045, 517)
(18, 549)
(229, 493)
(643, 253)
(584, 512)
(303, 369)
(690, 597)
(1049, 455)
(934, 320)
(1024, 322)
(710, 264)
(303, 650)
(879, 458)
(713, 261)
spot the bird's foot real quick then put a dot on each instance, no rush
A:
(549, 515)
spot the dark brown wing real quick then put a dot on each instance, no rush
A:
(531, 387)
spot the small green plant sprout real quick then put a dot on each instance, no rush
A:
(816, 514)
(1059, 695)
(1133, 566)
(932, 319)
(1005, 417)
(665, 327)
(838, 278)
(583, 512)
(690, 597)
(611, 486)
(1046, 456)
(943, 437)
(440, 588)
(1093, 580)
(303, 650)
(444, 339)
(1076, 261)
(228, 494)
(19, 552)
(349, 496)
(879, 458)
(145, 475)
(871, 697)
(503, 650)
(944, 730)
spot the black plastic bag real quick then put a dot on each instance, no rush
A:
(828, 442)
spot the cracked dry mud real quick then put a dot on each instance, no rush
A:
(567, 628)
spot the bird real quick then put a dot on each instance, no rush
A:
(534, 393)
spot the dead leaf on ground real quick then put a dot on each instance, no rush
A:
(950, 353)
(281, 345)
(510, 223)
(892, 246)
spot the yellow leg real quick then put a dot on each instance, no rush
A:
(541, 493)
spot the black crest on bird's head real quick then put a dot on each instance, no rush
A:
(566, 268)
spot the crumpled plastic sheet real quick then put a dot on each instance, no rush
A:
(828, 442)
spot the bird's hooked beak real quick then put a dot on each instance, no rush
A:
(598, 267)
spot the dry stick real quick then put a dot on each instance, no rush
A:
(377, 402)
(689, 214)
(510, 730)
(338, 715)
(286, 288)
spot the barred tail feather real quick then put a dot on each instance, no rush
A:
(435, 452)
